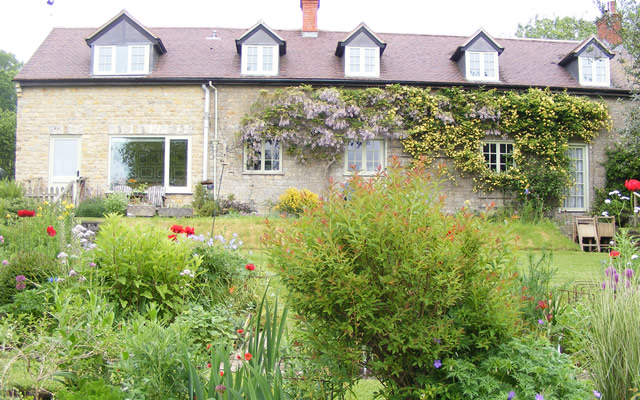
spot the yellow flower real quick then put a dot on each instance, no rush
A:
(46, 203)
(60, 217)
(8, 216)
(66, 214)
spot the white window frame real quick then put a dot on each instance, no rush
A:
(260, 71)
(383, 158)
(170, 189)
(361, 62)
(262, 171)
(582, 65)
(585, 180)
(499, 155)
(482, 55)
(112, 70)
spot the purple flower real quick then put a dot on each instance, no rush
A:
(597, 394)
(92, 264)
(628, 273)
(1, 239)
(221, 388)
(541, 322)
(437, 363)
(610, 272)
(526, 191)
(616, 277)
(5, 262)
(20, 286)
(539, 397)
(20, 278)
(512, 394)
(437, 341)
(604, 285)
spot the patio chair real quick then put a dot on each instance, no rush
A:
(123, 189)
(587, 232)
(606, 228)
(156, 195)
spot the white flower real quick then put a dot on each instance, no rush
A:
(633, 257)
(612, 243)
(614, 192)
(604, 213)
(63, 255)
(636, 209)
(73, 272)
(608, 201)
(624, 198)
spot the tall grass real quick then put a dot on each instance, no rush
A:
(613, 326)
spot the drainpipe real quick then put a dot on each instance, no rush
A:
(205, 147)
(215, 138)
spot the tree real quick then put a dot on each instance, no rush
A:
(7, 141)
(567, 28)
(9, 67)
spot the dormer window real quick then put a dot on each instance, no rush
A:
(482, 66)
(259, 60)
(594, 71)
(362, 61)
(121, 60)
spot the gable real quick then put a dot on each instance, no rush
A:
(121, 33)
(261, 35)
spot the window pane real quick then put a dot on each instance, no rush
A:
(354, 60)
(122, 59)
(267, 59)
(141, 160)
(601, 70)
(178, 162)
(104, 59)
(575, 195)
(137, 59)
(587, 69)
(252, 58)
(374, 155)
(65, 157)
(369, 60)
(474, 64)
(354, 156)
(489, 65)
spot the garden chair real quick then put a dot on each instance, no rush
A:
(156, 195)
(606, 228)
(123, 189)
(587, 231)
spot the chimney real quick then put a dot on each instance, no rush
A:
(609, 25)
(309, 17)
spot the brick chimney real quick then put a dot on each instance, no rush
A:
(609, 25)
(309, 17)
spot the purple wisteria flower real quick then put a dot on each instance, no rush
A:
(511, 395)
(437, 363)
(539, 397)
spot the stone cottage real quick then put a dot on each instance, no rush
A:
(163, 106)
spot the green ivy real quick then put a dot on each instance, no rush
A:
(449, 123)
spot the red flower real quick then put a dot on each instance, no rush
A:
(549, 316)
(542, 304)
(26, 213)
(172, 237)
(250, 267)
(50, 231)
(247, 356)
(189, 230)
(632, 185)
(221, 373)
(208, 346)
(614, 254)
(238, 357)
(208, 365)
(177, 229)
(241, 331)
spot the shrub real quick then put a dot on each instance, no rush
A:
(116, 203)
(94, 390)
(35, 266)
(230, 205)
(295, 201)
(387, 273)
(94, 207)
(10, 189)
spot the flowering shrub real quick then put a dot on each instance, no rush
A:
(387, 273)
(295, 201)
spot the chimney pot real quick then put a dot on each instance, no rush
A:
(309, 17)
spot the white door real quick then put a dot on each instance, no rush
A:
(64, 163)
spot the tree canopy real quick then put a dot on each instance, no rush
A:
(566, 28)
(9, 67)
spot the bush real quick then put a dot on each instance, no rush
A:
(295, 201)
(386, 273)
(94, 390)
(116, 203)
(209, 208)
(35, 266)
(94, 207)
(10, 189)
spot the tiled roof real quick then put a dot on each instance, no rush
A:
(408, 58)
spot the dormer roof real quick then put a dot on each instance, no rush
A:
(125, 16)
(364, 29)
(592, 40)
(260, 26)
(478, 35)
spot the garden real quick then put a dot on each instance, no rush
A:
(314, 303)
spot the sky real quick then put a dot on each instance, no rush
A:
(24, 24)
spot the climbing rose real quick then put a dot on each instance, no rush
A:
(250, 267)
(632, 185)
(50, 231)
(26, 213)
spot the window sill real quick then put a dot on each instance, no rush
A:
(262, 173)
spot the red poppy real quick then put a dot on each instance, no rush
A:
(240, 331)
(247, 356)
(177, 229)
(632, 185)
(614, 254)
(172, 237)
(189, 230)
(50, 231)
(250, 267)
(26, 213)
